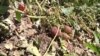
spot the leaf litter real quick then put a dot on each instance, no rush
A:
(34, 32)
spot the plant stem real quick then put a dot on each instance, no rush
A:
(51, 42)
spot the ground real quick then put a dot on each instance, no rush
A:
(50, 28)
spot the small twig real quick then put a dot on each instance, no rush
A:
(28, 7)
(38, 4)
(36, 16)
(30, 16)
(44, 2)
(87, 29)
(51, 42)
(18, 10)
(17, 34)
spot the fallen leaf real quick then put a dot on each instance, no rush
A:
(23, 43)
(16, 53)
(33, 50)
(79, 50)
(25, 24)
(2, 53)
(67, 11)
(70, 47)
(66, 36)
(8, 45)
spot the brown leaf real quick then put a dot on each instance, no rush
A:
(25, 24)
(66, 36)
(70, 47)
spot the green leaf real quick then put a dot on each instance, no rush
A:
(3, 9)
(18, 16)
(93, 47)
(68, 10)
(96, 35)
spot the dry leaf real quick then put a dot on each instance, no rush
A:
(8, 45)
(23, 43)
(16, 53)
(33, 50)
